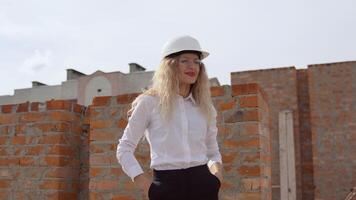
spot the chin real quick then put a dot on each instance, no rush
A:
(191, 82)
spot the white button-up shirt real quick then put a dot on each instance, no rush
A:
(186, 140)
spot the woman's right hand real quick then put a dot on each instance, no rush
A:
(143, 181)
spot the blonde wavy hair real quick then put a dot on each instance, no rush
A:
(165, 85)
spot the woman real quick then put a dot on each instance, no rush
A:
(178, 120)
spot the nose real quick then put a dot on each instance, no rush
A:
(192, 65)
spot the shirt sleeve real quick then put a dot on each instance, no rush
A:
(213, 152)
(134, 131)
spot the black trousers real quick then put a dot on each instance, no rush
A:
(195, 183)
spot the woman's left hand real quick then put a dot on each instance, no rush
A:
(219, 176)
(216, 169)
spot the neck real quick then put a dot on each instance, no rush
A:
(184, 89)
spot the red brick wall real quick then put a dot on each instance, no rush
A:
(332, 89)
(280, 88)
(39, 150)
(322, 99)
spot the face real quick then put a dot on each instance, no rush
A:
(189, 66)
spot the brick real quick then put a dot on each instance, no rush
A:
(122, 123)
(95, 195)
(20, 129)
(101, 101)
(19, 195)
(251, 115)
(101, 160)
(223, 130)
(58, 105)
(252, 158)
(7, 119)
(227, 105)
(97, 124)
(248, 101)
(251, 183)
(97, 148)
(226, 185)
(62, 150)
(126, 98)
(122, 197)
(78, 108)
(34, 150)
(35, 106)
(252, 143)
(5, 130)
(62, 116)
(217, 91)
(3, 151)
(53, 127)
(241, 116)
(98, 135)
(61, 172)
(5, 194)
(18, 140)
(7, 108)
(22, 107)
(77, 128)
(103, 185)
(117, 171)
(62, 195)
(5, 184)
(249, 196)
(31, 117)
(18, 150)
(228, 157)
(244, 89)
(9, 161)
(95, 171)
(249, 170)
(251, 129)
(53, 184)
(56, 161)
(27, 161)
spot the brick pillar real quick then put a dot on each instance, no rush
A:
(244, 141)
(107, 121)
(39, 145)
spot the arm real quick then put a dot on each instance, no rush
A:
(215, 162)
(134, 131)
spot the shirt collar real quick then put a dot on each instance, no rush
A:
(190, 97)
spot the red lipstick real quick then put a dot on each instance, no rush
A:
(191, 74)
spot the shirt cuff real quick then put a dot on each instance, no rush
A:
(134, 171)
(211, 162)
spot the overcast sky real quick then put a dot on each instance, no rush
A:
(40, 39)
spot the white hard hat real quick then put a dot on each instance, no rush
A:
(183, 43)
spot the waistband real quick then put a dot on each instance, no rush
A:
(178, 172)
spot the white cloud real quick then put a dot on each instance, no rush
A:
(36, 62)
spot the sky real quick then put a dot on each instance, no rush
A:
(39, 39)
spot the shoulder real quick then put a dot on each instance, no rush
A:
(147, 100)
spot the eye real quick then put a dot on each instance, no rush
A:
(197, 62)
(184, 61)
